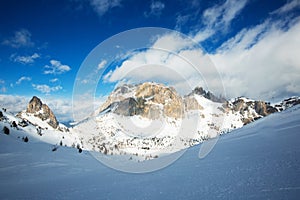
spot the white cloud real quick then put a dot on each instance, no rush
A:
(25, 59)
(172, 59)
(219, 18)
(54, 80)
(246, 37)
(222, 15)
(262, 62)
(156, 9)
(173, 42)
(56, 68)
(23, 78)
(46, 89)
(85, 104)
(181, 20)
(101, 65)
(103, 6)
(290, 5)
(21, 38)
(64, 110)
(203, 34)
(13, 103)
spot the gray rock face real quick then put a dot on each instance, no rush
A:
(126, 107)
(148, 100)
(260, 108)
(35, 105)
(208, 95)
(42, 111)
(287, 103)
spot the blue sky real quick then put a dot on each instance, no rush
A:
(252, 43)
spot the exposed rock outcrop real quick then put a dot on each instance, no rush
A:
(149, 100)
(287, 103)
(42, 111)
(158, 95)
(251, 110)
(208, 95)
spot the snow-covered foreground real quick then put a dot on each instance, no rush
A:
(259, 161)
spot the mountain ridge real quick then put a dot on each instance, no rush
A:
(148, 120)
(128, 100)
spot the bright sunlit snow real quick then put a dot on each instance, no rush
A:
(258, 161)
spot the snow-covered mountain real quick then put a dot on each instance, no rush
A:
(147, 120)
(41, 115)
(38, 122)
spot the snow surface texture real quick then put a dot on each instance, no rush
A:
(257, 161)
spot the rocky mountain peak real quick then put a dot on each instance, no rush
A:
(287, 103)
(208, 95)
(152, 95)
(42, 111)
(150, 100)
(251, 109)
(35, 105)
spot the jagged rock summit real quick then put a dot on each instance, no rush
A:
(150, 100)
(208, 95)
(42, 111)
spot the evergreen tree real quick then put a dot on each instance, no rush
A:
(6, 130)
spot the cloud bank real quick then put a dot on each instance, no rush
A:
(260, 62)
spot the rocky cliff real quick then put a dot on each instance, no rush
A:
(149, 100)
(207, 94)
(250, 110)
(42, 111)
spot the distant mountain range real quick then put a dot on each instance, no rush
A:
(147, 120)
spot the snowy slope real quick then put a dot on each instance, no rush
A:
(40, 130)
(258, 161)
(145, 138)
(149, 119)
